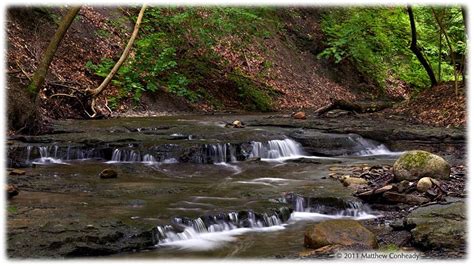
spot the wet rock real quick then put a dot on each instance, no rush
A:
(411, 199)
(329, 144)
(284, 213)
(415, 164)
(397, 225)
(373, 194)
(179, 136)
(435, 182)
(299, 115)
(383, 189)
(337, 113)
(403, 186)
(12, 191)
(305, 160)
(339, 232)
(353, 181)
(108, 173)
(235, 124)
(79, 239)
(17, 172)
(253, 159)
(439, 226)
(424, 184)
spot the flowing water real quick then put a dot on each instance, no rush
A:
(249, 198)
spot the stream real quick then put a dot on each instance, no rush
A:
(201, 189)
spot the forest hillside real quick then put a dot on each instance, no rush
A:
(231, 59)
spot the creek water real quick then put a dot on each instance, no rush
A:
(252, 197)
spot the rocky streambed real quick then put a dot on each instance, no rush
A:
(189, 186)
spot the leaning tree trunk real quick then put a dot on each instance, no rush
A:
(93, 93)
(37, 80)
(416, 50)
(451, 51)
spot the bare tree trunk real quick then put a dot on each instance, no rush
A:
(416, 50)
(464, 63)
(37, 80)
(451, 51)
(123, 57)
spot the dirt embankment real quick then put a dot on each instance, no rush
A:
(298, 79)
(284, 63)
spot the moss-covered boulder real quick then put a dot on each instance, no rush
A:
(439, 226)
(413, 165)
(339, 232)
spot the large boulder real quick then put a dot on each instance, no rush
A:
(439, 226)
(339, 232)
(413, 165)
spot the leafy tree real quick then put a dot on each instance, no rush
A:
(177, 47)
(378, 40)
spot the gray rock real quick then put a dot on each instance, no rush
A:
(439, 226)
(329, 144)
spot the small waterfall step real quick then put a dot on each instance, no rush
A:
(190, 153)
(277, 149)
(183, 228)
(332, 144)
(330, 206)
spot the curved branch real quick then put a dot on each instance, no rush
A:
(123, 57)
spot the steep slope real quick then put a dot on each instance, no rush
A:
(284, 65)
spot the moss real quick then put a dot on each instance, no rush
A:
(250, 93)
(415, 159)
(389, 248)
(12, 209)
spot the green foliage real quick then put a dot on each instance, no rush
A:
(102, 69)
(389, 248)
(377, 40)
(256, 98)
(175, 49)
(12, 209)
(102, 33)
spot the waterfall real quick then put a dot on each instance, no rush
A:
(230, 223)
(275, 149)
(299, 204)
(219, 153)
(369, 147)
(147, 158)
(28, 153)
(56, 154)
(129, 156)
(45, 158)
(327, 208)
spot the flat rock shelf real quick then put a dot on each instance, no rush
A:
(188, 186)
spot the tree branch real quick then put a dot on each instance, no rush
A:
(123, 57)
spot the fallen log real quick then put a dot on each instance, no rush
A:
(357, 107)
